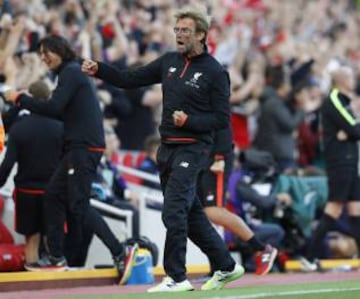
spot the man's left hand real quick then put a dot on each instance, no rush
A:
(179, 118)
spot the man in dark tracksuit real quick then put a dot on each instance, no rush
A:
(195, 103)
(35, 144)
(212, 187)
(67, 195)
(341, 133)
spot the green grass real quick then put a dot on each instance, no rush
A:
(333, 290)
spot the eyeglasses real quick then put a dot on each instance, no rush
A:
(184, 31)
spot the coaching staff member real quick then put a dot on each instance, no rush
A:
(35, 143)
(212, 187)
(67, 195)
(195, 103)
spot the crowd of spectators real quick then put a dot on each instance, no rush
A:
(280, 55)
(261, 42)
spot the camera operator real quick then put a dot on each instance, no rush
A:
(246, 200)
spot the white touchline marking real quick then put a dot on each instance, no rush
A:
(286, 293)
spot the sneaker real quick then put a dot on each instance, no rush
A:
(169, 285)
(221, 278)
(308, 266)
(47, 263)
(125, 263)
(264, 260)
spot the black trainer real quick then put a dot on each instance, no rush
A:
(125, 262)
(47, 263)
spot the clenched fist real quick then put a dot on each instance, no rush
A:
(179, 118)
(89, 67)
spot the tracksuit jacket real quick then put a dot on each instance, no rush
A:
(200, 87)
(186, 85)
(35, 143)
(67, 102)
(336, 115)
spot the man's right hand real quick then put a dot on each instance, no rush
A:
(341, 135)
(11, 95)
(89, 67)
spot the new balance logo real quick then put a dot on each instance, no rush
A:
(197, 75)
(210, 197)
(184, 164)
(171, 71)
(265, 258)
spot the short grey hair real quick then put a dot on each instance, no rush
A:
(341, 74)
(198, 13)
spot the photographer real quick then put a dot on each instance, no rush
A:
(256, 167)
